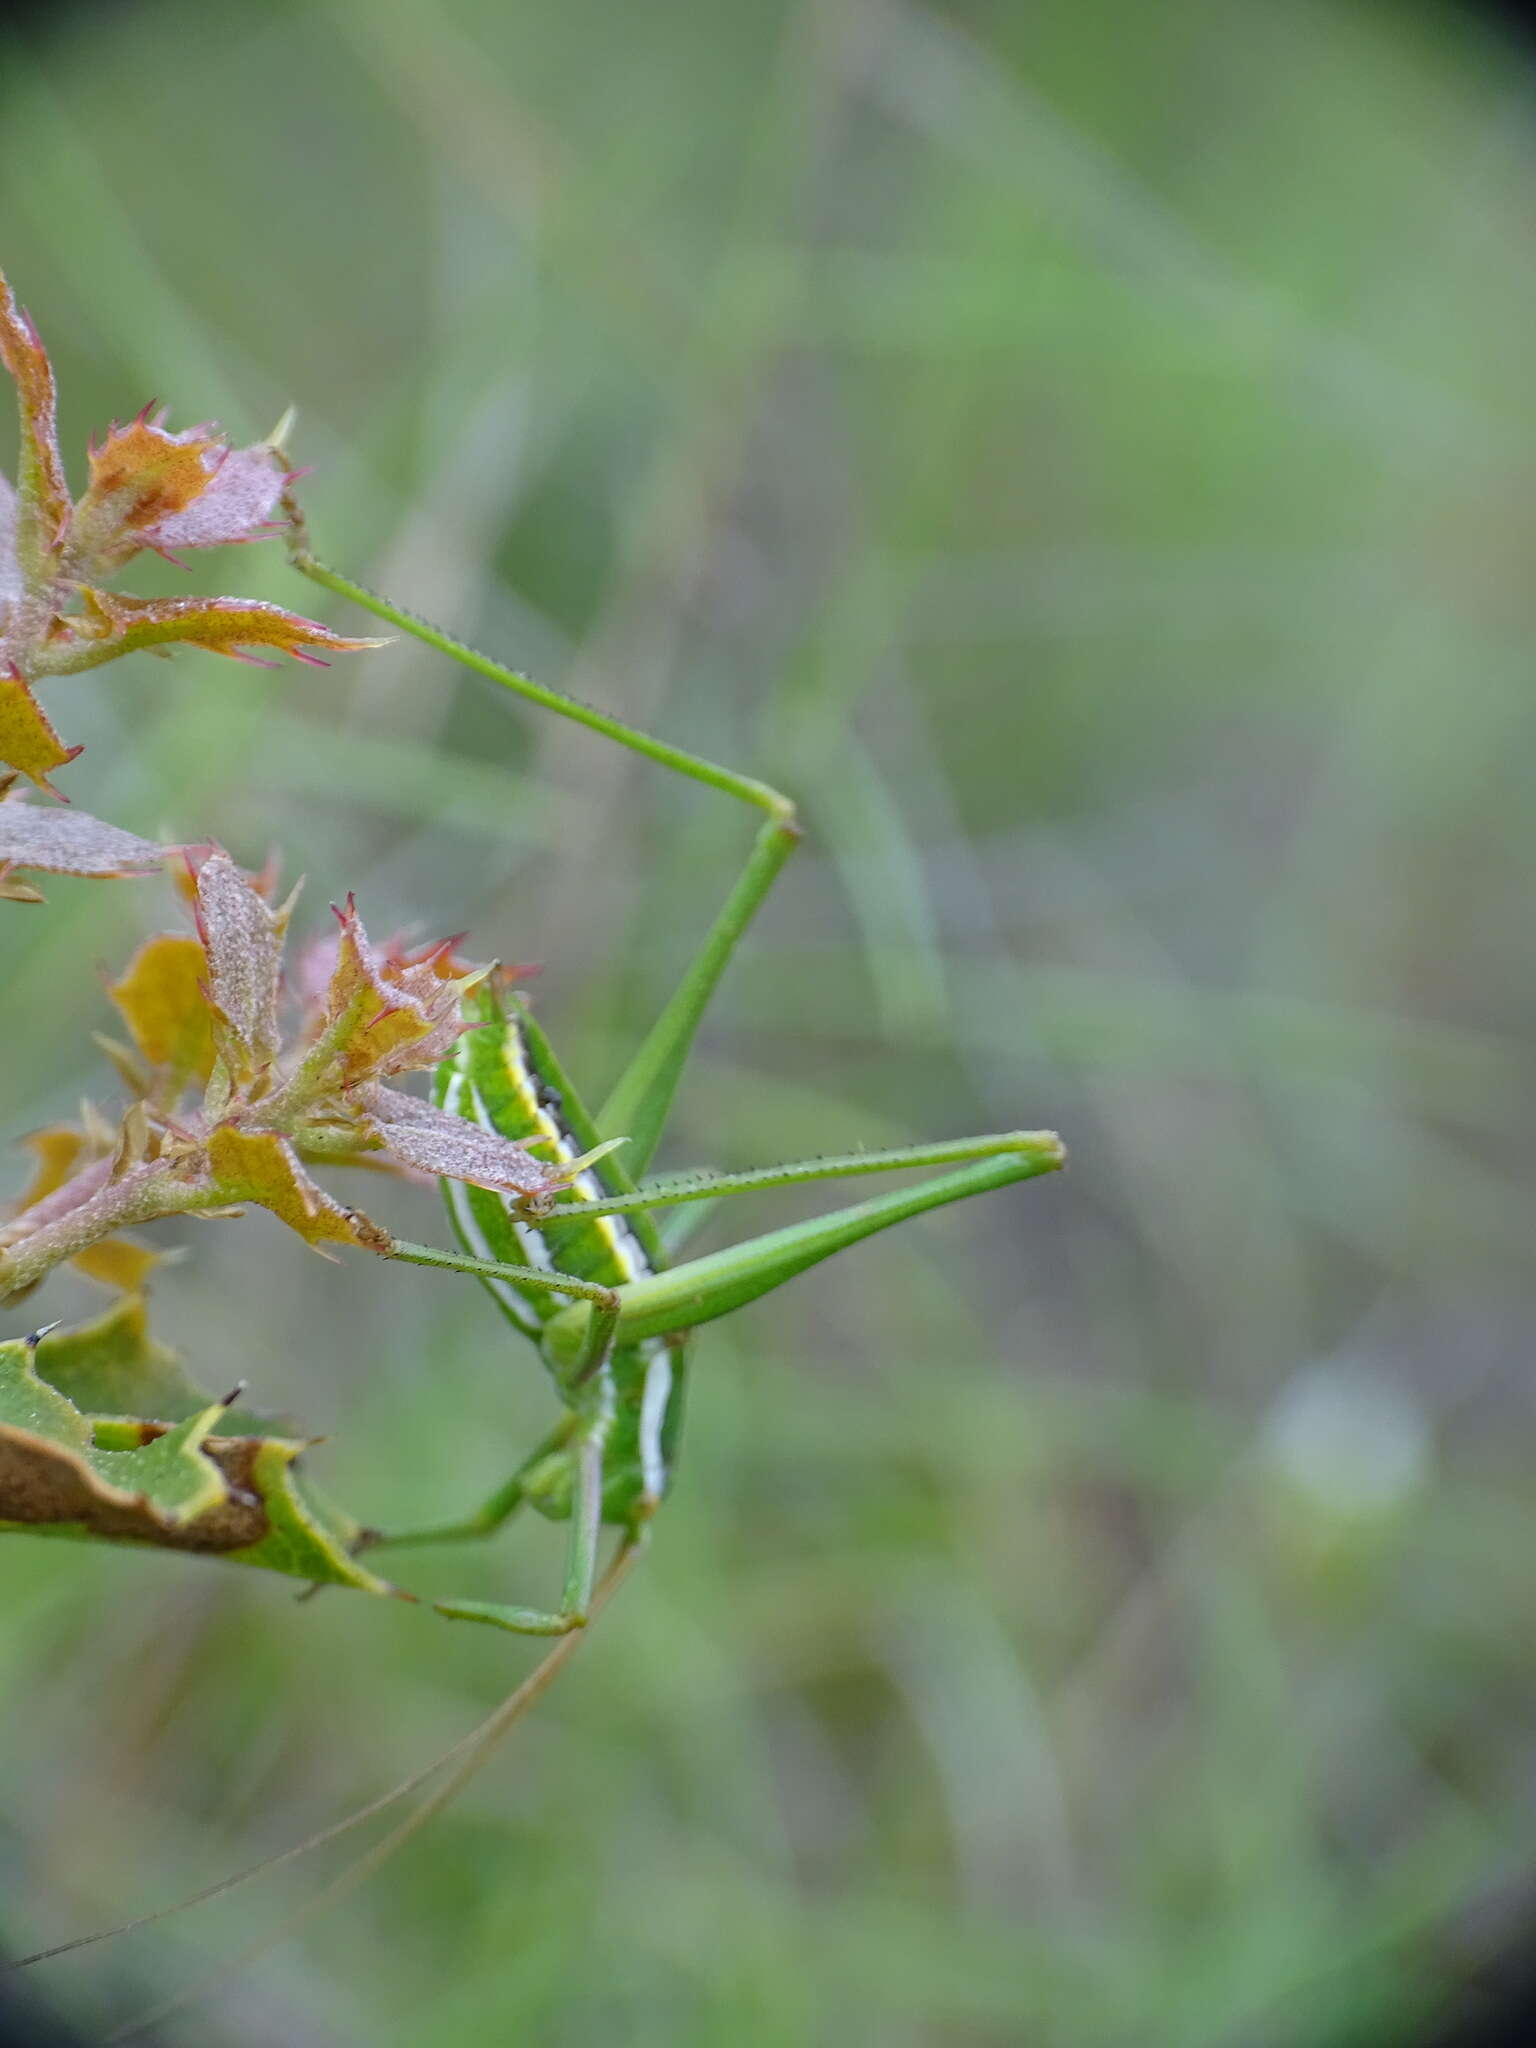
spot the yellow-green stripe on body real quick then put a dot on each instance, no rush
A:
(492, 1079)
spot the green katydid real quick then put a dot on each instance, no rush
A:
(222, 1113)
(591, 1283)
(585, 1271)
(582, 1268)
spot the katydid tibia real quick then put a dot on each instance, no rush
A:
(591, 1284)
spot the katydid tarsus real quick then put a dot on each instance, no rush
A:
(589, 1280)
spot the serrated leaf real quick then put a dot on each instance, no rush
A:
(52, 1471)
(113, 1366)
(306, 1536)
(151, 488)
(393, 1012)
(140, 1477)
(116, 625)
(27, 739)
(261, 1167)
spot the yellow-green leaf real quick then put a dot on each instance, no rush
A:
(161, 995)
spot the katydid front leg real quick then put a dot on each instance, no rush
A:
(499, 1508)
(637, 1108)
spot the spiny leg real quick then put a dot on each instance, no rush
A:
(637, 1108)
(666, 1190)
(683, 1296)
(701, 1289)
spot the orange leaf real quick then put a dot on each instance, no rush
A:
(221, 625)
(400, 1012)
(154, 489)
(150, 472)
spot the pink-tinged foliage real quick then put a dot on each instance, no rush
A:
(417, 1134)
(241, 496)
(223, 1112)
(149, 488)
(11, 583)
(66, 842)
(43, 509)
(242, 937)
(112, 624)
(154, 489)
(392, 1012)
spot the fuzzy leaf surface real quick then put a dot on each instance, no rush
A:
(243, 939)
(68, 842)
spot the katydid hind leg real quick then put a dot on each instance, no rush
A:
(700, 1290)
(706, 1186)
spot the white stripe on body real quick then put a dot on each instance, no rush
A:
(627, 1251)
(629, 1256)
(468, 1224)
(657, 1354)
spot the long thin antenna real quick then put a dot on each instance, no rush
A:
(469, 1752)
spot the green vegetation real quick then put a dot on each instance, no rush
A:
(1079, 453)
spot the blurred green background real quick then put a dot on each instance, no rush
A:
(1085, 452)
